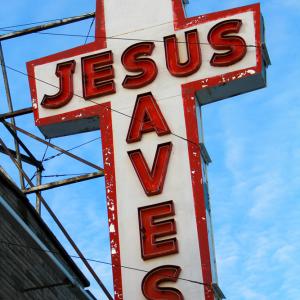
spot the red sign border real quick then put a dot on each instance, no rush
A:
(180, 22)
(104, 111)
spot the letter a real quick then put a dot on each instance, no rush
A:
(146, 117)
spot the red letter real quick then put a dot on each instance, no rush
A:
(146, 117)
(151, 230)
(152, 182)
(151, 282)
(97, 72)
(145, 66)
(220, 38)
(193, 63)
(65, 73)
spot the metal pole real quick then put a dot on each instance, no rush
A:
(24, 158)
(20, 143)
(55, 184)
(16, 113)
(59, 224)
(46, 26)
(38, 195)
(54, 147)
(10, 108)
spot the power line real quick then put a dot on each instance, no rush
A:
(31, 178)
(99, 104)
(46, 149)
(87, 36)
(133, 39)
(137, 39)
(114, 110)
(31, 23)
(54, 156)
(73, 148)
(97, 261)
(64, 175)
(59, 154)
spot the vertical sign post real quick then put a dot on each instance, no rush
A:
(142, 82)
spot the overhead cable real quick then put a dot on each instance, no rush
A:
(99, 104)
(98, 261)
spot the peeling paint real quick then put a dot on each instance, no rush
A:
(112, 228)
(251, 72)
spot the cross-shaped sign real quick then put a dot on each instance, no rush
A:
(144, 79)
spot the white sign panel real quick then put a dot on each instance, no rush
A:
(140, 82)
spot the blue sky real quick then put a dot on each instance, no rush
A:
(253, 140)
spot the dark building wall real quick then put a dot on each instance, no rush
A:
(33, 264)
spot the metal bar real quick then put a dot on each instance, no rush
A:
(14, 134)
(16, 113)
(217, 291)
(55, 184)
(55, 147)
(23, 157)
(59, 224)
(38, 195)
(46, 26)
(10, 108)
(6, 150)
(205, 154)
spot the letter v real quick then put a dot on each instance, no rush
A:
(153, 181)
